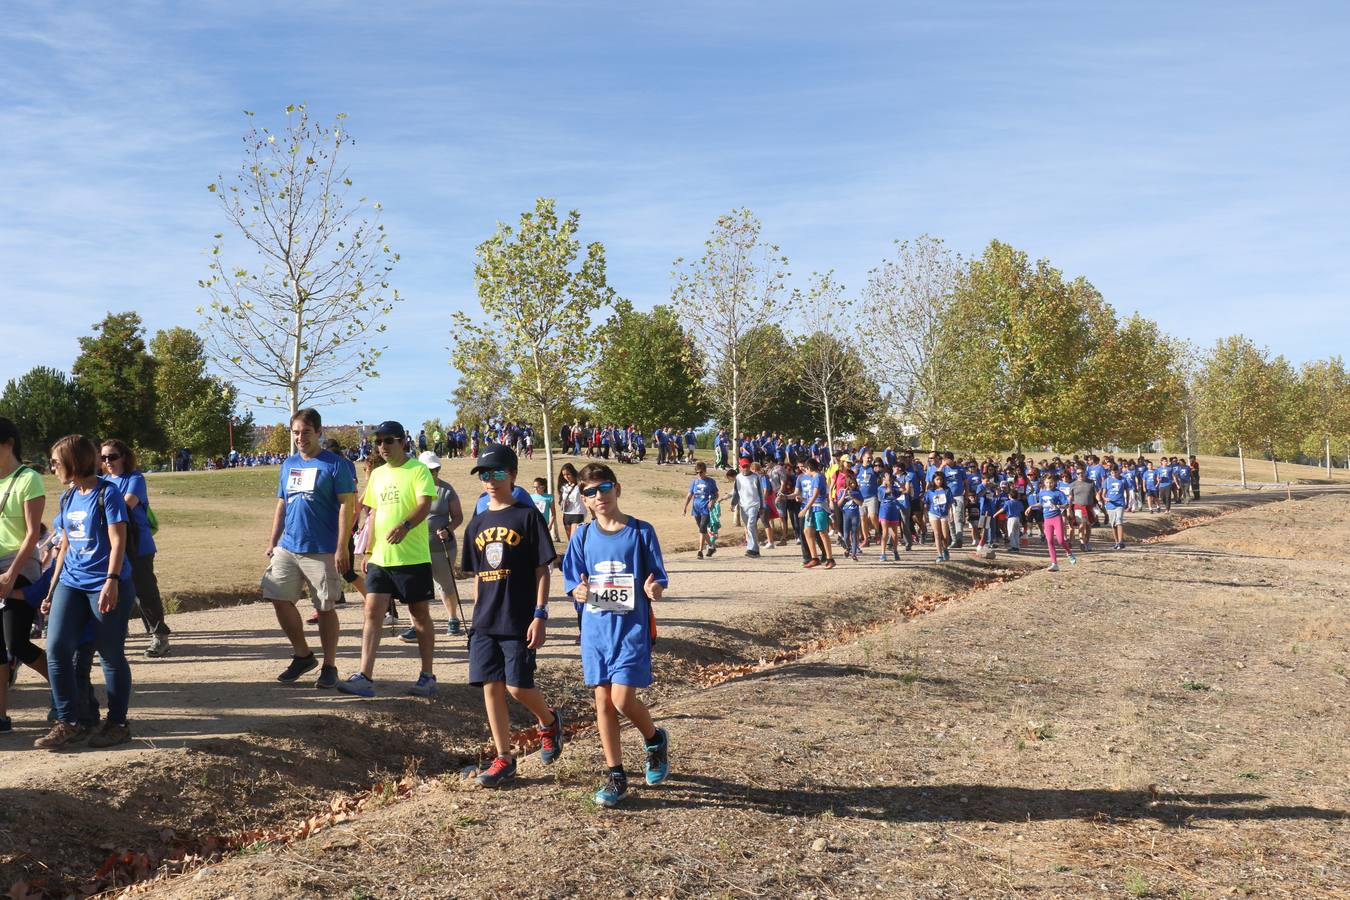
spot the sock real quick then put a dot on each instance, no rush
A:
(654, 742)
(618, 774)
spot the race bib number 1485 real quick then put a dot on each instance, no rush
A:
(611, 593)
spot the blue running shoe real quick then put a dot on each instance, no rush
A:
(658, 757)
(1073, 560)
(453, 628)
(425, 687)
(357, 685)
(409, 636)
(551, 739)
(613, 791)
(500, 769)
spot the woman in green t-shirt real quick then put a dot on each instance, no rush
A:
(22, 500)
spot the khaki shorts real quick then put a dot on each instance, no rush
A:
(440, 568)
(290, 572)
(1115, 516)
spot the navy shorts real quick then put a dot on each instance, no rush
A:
(496, 658)
(411, 584)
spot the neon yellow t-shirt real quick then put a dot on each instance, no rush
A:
(393, 492)
(26, 485)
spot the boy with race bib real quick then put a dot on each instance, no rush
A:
(613, 566)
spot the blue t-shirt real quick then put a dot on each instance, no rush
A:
(988, 502)
(86, 529)
(616, 637)
(1114, 488)
(852, 499)
(1164, 476)
(139, 518)
(867, 482)
(807, 484)
(1183, 473)
(1052, 502)
(705, 492)
(956, 479)
(1012, 508)
(1150, 479)
(939, 501)
(310, 488)
(1097, 474)
(518, 494)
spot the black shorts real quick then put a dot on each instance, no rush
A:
(496, 658)
(701, 520)
(570, 519)
(411, 584)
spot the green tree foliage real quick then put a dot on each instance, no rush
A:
(541, 308)
(297, 322)
(1236, 396)
(1326, 399)
(276, 440)
(798, 411)
(46, 405)
(1286, 421)
(115, 369)
(194, 408)
(484, 388)
(725, 298)
(648, 372)
(1133, 381)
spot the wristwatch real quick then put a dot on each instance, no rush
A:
(541, 612)
(407, 526)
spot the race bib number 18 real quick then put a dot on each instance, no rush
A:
(611, 593)
(301, 481)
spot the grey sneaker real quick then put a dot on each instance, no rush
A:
(159, 646)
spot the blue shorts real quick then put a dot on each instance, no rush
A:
(818, 519)
(626, 661)
(495, 658)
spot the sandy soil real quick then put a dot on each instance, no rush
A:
(1160, 721)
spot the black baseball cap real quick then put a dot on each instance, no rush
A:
(496, 456)
(391, 428)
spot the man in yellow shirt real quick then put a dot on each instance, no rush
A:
(399, 495)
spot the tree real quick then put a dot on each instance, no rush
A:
(1133, 380)
(1285, 420)
(297, 322)
(827, 362)
(1235, 394)
(908, 299)
(484, 389)
(1029, 336)
(194, 408)
(277, 440)
(45, 405)
(115, 369)
(1326, 395)
(650, 372)
(540, 312)
(854, 401)
(722, 297)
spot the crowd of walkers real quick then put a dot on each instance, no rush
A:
(858, 498)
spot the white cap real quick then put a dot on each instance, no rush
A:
(429, 459)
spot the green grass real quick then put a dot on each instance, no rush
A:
(1135, 883)
(1191, 684)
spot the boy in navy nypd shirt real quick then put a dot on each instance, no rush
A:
(508, 549)
(613, 566)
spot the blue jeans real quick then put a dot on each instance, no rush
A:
(72, 610)
(852, 529)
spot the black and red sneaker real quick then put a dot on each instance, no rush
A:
(810, 564)
(829, 563)
(500, 769)
(551, 739)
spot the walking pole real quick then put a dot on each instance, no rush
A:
(454, 588)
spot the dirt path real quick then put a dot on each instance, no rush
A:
(1087, 671)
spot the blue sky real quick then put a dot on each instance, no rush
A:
(1189, 159)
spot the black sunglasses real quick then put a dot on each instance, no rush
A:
(111, 457)
(388, 440)
(603, 487)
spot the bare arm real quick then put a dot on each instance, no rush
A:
(346, 518)
(278, 524)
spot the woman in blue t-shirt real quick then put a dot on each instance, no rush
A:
(1053, 502)
(93, 583)
(938, 502)
(119, 464)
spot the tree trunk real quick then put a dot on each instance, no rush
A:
(295, 361)
(829, 427)
(1275, 465)
(548, 462)
(1328, 457)
(1242, 466)
(1188, 433)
